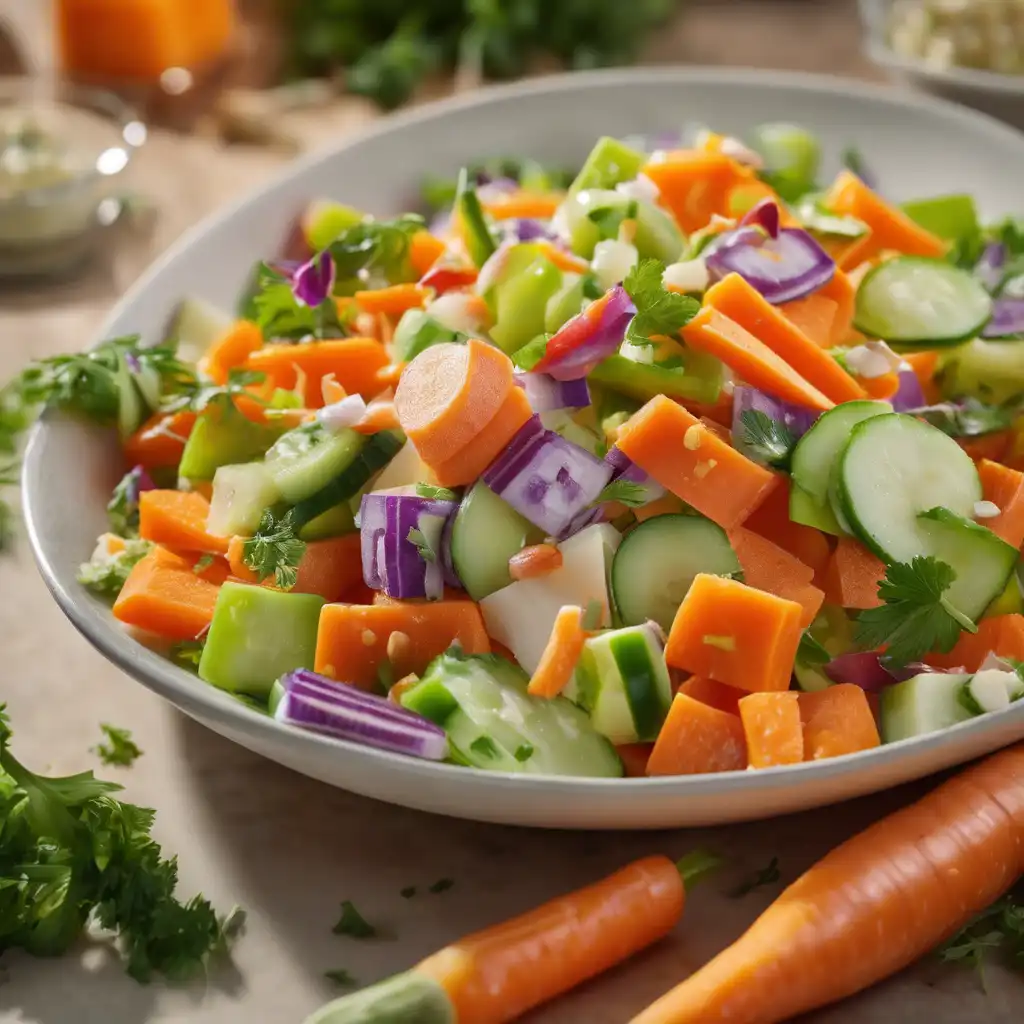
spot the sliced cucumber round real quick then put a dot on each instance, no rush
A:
(657, 561)
(926, 703)
(814, 457)
(913, 301)
(486, 533)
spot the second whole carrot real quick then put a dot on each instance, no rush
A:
(869, 908)
(498, 974)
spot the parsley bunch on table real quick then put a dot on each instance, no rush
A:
(71, 854)
(386, 47)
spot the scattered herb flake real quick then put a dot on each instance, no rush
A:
(766, 876)
(767, 440)
(341, 978)
(352, 923)
(658, 311)
(275, 550)
(105, 575)
(485, 747)
(625, 492)
(442, 885)
(202, 564)
(120, 750)
(436, 493)
(408, 892)
(524, 752)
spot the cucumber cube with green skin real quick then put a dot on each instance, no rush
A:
(257, 635)
(325, 220)
(521, 303)
(950, 217)
(609, 162)
(623, 682)
(657, 234)
(240, 494)
(418, 331)
(223, 438)
(926, 703)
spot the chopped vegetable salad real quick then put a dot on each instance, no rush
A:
(699, 464)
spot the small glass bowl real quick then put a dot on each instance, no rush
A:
(77, 142)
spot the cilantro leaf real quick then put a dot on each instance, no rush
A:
(120, 750)
(105, 575)
(524, 752)
(199, 397)
(341, 978)
(531, 353)
(352, 923)
(71, 854)
(436, 493)
(766, 440)
(275, 550)
(767, 875)
(915, 617)
(378, 248)
(609, 219)
(626, 492)
(658, 311)
(485, 747)
(442, 885)
(810, 652)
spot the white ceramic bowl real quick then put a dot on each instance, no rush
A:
(916, 146)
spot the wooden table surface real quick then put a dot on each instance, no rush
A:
(289, 849)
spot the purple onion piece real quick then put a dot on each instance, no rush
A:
(782, 269)
(527, 229)
(451, 576)
(505, 467)
(314, 281)
(909, 394)
(1007, 319)
(339, 710)
(546, 394)
(862, 668)
(392, 563)
(604, 336)
(618, 460)
(579, 522)
(989, 268)
(764, 215)
(550, 482)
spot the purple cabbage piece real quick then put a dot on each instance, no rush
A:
(313, 282)
(781, 269)
(909, 394)
(862, 668)
(392, 563)
(548, 480)
(312, 701)
(605, 336)
(989, 268)
(546, 394)
(1007, 319)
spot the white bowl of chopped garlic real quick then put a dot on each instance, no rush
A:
(968, 51)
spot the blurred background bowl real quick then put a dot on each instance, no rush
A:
(968, 51)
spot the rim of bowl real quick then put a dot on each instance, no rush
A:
(186, 691)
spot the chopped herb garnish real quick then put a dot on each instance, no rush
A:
(1000, 928)
(281, 316)
(200, 397)
(408, 892)
(120, 749)
(659, 312)
(916, 618)
(379, 248)
(123, 507)
(436, 493)
(485, 747)
(524, 752)
(422, 545)
(811, 652)
(625, 492)
(202, 564)
(105, 575)
(353, 924)
(766, 876)
(767, 440)
(442, 885)
(275, 550)
(341, 978)
(187, 653)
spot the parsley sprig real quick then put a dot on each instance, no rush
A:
(916, 617)
(71, 854)
(625, 492)
(658, 311)
(766, 440)
(105, 575)
(275, 549)
(999, 929)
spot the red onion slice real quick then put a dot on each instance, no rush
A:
(546, 394)
(1007, 319)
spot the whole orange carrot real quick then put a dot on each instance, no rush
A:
(870, 907)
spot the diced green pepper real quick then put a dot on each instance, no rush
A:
(521, 303)
(609, 162)
(950, 217)
(564, 304)
(698, 380)
(257, 635)
(326, 220)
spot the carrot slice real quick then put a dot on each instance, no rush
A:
(841, 291)
(425, 250)
(1004, 487)
(449, 393)
(696, 739)
(735, 634)
(392, 301)
(231, 350)
(558, 662)
(177, 519)
(772, 727)
(890, 227)
(925, 365)
(160, 441)
(673, 446)
(717, 695)
(524, 205)
(352, 643)
(880, 388)
(753, 361)
(813, 316)
(353, 361)
(771, 520)
(837, 720)
(694, 185)
(768, 567)
(998, 634)
(466, 465)
(994, 447)
(163, 595)
(330, 568)
(853, 575)
(743, 304)
(634, 758)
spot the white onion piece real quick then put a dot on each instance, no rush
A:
(612, 261)
(687, 276)
(344, 414)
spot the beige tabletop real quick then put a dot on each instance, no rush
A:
(289, 849)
